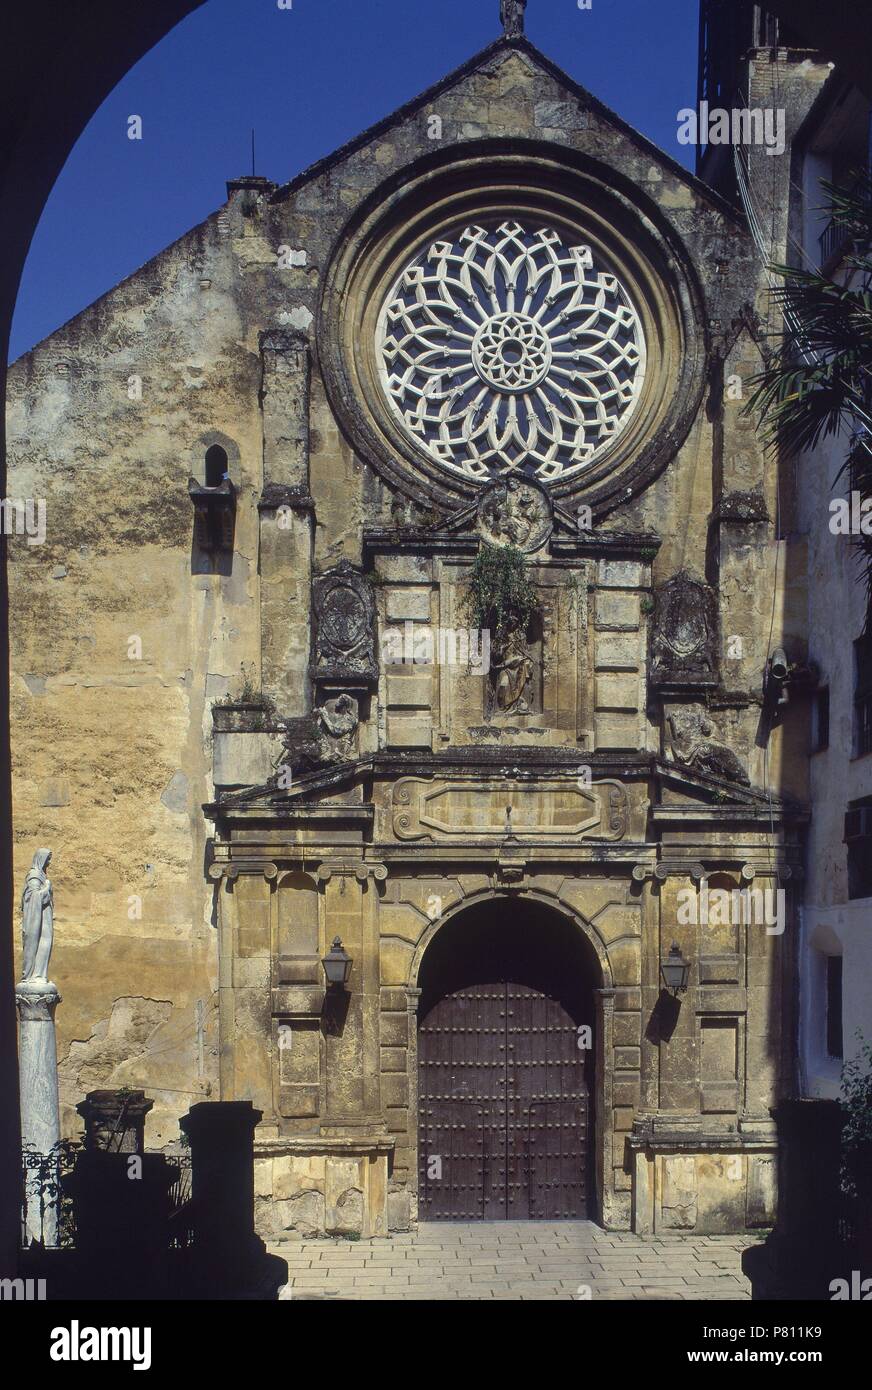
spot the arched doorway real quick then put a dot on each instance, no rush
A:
(506, 1067)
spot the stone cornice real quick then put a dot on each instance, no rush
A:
(681, 1142)
(295, 496)
(735, 803)
(352, 1146)
(449, 544)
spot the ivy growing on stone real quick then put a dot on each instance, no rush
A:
(501, 598)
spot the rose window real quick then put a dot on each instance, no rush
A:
(507, 351)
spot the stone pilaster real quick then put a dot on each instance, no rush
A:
(413, 999)
(286, 520)
(605, 1028)
(244, 961)
(746, 556)
(769, 1032)
(352, 1042)
(676, 1022)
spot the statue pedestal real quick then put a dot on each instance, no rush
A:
(36, 1001)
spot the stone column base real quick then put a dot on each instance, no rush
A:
(321, 1185)
(703, 1184)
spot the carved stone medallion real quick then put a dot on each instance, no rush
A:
(684, 640)
(515, 512)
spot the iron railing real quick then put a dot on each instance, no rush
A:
(180, 1224)
(45, 1191)
(833, 240)
(48, 1197)
(837, 236)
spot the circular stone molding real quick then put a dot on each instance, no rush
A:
(510, 317)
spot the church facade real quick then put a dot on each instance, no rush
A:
(410, 575)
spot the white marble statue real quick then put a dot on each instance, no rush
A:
(37, 919)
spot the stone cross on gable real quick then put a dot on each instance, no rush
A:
(512, 16)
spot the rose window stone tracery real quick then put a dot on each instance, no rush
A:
(511, 352)
(508, 351)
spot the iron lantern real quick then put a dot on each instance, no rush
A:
(337, 965)
(675, 970)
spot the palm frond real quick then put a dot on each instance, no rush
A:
(818, 380)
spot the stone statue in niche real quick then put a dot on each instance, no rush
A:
(513, 512)
(325, 736)
(343, 607)
(514, 681)
(684, 636)
(512, 670)
(37, 920)
(692, 747)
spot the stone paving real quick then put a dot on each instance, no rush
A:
(516, 1260)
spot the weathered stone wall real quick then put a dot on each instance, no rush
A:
(122, 636)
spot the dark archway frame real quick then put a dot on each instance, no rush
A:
(55, 76)
(603, 991)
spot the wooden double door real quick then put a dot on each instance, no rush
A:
(503, 1107)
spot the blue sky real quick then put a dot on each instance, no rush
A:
(307, 79)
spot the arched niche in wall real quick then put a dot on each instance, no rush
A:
(205, 459)
(212, 487)
(720, 922)
(297, 924)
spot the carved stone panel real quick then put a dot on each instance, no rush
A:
(539, 809)
(327, 735)
(684, 638)
(678, 1192)
(690, 744)
(344, 612)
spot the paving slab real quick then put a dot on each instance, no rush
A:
(517, 1260)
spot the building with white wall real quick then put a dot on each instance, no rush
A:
(832, 145)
